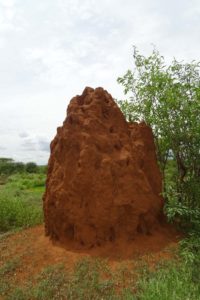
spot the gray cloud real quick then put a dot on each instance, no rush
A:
(2, 148)
(29, 145)
(44, 145)
(23, 134)
(38, 143)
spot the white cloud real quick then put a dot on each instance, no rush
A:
(7, 3)
(50, 50)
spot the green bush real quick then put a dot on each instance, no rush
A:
(20, 201)
(27, 181)
(166, 97)
(16, 211)
(31, 167)
(8, 167)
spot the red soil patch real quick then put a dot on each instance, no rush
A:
(37, 252)
(104, 185)
(142, 245)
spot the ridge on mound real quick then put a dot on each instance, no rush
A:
(103, 181)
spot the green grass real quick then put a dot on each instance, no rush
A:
(174, 281)
(90, 280)
(20, 201)
(93, 280)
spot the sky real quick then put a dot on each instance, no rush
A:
(51, 49)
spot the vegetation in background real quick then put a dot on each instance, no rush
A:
(167, 97)
(8, 167)
(20, 197)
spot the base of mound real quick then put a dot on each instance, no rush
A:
(142, 244)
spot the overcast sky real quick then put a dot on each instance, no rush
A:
(51, 49)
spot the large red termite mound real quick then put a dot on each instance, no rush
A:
(103, 180)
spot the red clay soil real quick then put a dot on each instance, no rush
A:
(104, 184)
(36, 252)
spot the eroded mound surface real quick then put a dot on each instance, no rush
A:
(103, 180)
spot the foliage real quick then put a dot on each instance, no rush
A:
(26, 181)
(31, 167)
(185, 217)
(20, 201)
(167, 97)
(190, 251)
(8, 167)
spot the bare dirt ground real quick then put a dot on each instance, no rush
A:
(35, 251)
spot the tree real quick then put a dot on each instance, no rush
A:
(19, 167)
(6, 166)
(167, 97)
(31, 167)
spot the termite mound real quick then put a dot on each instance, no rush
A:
(103, 181)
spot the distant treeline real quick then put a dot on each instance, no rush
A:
(8, 167)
